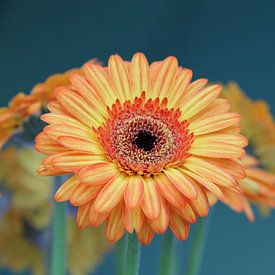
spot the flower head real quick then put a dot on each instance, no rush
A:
(25, 221)
(23, 106)
(146, 147)
(258, 125)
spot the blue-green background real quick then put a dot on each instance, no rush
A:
(221, 40)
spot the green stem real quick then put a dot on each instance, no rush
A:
(131, 264)
(58, 247)
(198, 244)
(120, 254)
(168, 257)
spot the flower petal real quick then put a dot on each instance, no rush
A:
(167, 72)
(133, 194)
(82, 218)
(169, 191)
(111, 194)
(146, 234)
(151, 204)
(179, 227)
(214, 123)
(80, 144)
(73, 161)
(139, 74)
(115, 226)
(98, 174)
(205, 182)
(199, 100)
(210, 171)
(84, 193)
(133, 219)
(182, 183)
(216, 149)
(160, 225)
(120, 77)
(65, 191)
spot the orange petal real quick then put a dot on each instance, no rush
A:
(97, 77)
(78, 107)
(115, 226)
(73, 161)
(56, 130)
(80, 144)
(133, 194)
(95, 218)
(146, 234)
(187, 213)
(82, 218)
(205, 182)
(216, 149)
(65, 191)
(45, 145)
(84, 193)
(237, 140)
(111, 194)
(120, 77)
(233, 167)
(169, 191)
(212, 172)
(160, 225)
(98, 174)
(214, 123)
(179, 88)
(133, 219)
(53, 118)
(92, 97)
(197, 101)
(151, 204)
(167, 72)
(179, 227)
(182, 183)
(139, 74)
(197, 85)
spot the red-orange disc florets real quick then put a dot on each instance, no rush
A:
(144, 136)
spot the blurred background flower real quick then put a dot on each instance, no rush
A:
(25, 228)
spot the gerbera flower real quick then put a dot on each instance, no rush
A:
(23, 106)
(258, 125)
(26, 219)
(144, 146)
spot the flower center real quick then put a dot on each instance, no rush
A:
(143, 137)
(144, 140)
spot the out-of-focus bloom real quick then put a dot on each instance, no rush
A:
(24, 224)
(258, 125)
(144, 144)
(22, 106)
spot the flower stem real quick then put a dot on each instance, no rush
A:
(198, 244)
(120, 255)
(168, 258)
(58, 247)
(131, 264)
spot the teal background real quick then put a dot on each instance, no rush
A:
(221, 40)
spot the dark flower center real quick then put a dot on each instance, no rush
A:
(145, 140)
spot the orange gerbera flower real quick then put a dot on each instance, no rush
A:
(258, 125)
(144, 145)
(22, 106)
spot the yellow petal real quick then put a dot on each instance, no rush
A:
(182, 183)
(139, 75)
(111, 194)
(151, 204)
